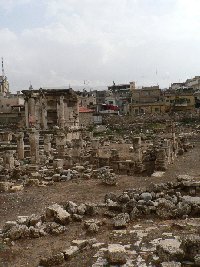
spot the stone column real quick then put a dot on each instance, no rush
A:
(43, 112)
(76, 152)
(47, 144)
(94, 156)
(31, 115)
(137, 148)
(20, 145)
(167, 147)
(32, 106)
(60, 145)
(66, 112)
(6, 137)
(57, 164)
(160, 163)
(62, 113)
(34, 146)
(9, 161)
(76, 110)
(37, 113)
(43, 117)
(114, 155)
(26, 113)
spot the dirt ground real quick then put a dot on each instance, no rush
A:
(34, 200)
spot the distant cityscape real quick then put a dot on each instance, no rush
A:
(117, 99)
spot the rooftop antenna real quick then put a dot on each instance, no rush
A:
(30, 87)
(3, 73)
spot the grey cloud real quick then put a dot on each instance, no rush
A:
(102, 41)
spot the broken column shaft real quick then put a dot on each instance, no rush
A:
(20, 145)
(34, 145)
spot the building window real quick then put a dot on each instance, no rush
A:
(157, 109)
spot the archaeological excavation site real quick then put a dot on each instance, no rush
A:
(80, 187)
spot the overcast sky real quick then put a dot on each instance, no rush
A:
(62, 42)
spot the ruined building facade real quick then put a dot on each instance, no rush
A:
(46, 108)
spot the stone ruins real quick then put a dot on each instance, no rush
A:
(152, 223)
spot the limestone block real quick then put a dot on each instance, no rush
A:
(93, 228)
(70, 252)
(121, 220)
(22, 220)
(17, 232)
(57, 213)
(191, 245)
(197, 260)
(16, 188)
(81, 209)
(116, 254)
(146, 196)
(171, 264)
(169, 249)
(34, 219)
(165, 208)
(8, 225)
(71, 207)
(80, 243)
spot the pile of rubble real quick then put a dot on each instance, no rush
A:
(53, 221)
(164, 201)
(162, 252)
(176, 201)
(106, 175)
(67, 254)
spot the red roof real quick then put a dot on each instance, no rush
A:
(85, 110)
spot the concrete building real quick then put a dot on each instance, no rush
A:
(147, 100)
(45, 108)
(100, 96)
(87, 99)
(179, 100)
(193, 83)
(10, 102)
(122, 94)
(85, 116)
(150, 94)
(144, 108)
(175, 86)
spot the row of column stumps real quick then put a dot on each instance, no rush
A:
(166, 151)
(34, 145)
